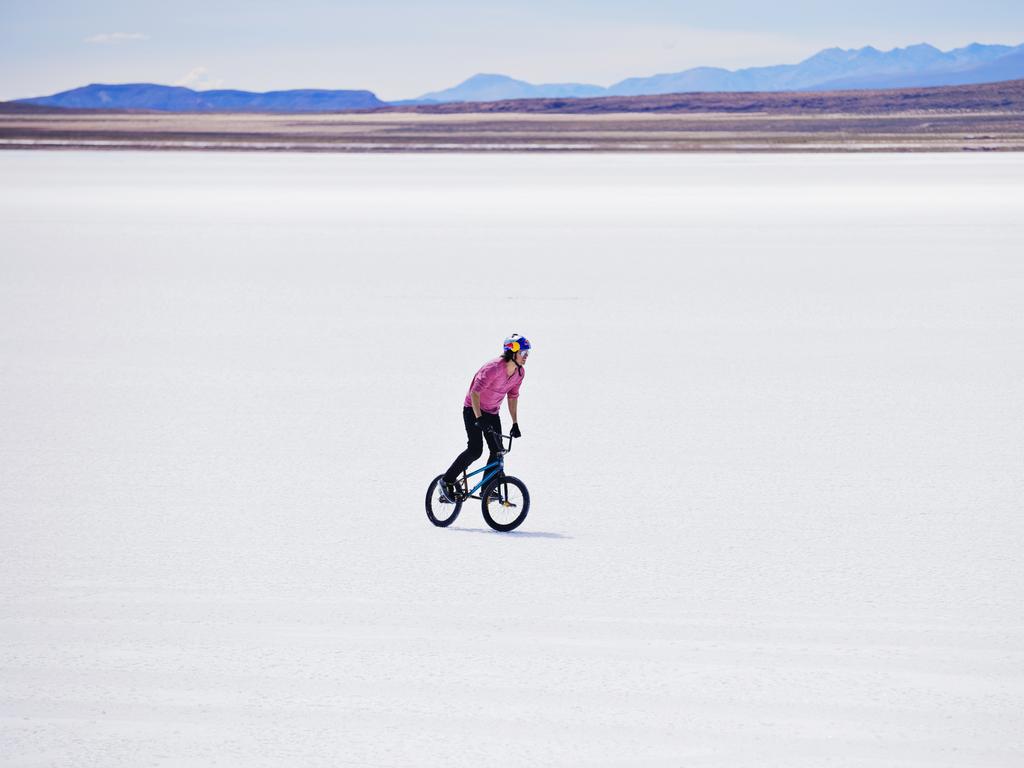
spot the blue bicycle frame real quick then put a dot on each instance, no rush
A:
(500, 463)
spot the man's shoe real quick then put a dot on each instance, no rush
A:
(448, 492)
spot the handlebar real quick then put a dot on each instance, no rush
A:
(491, 431)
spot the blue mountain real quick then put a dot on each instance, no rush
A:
(485, 87)
(166, 98)
(833, 68)
(967, 71)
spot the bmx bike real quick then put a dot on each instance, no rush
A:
(505, 501)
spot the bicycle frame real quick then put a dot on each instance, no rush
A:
(487, 478)
(500, 464)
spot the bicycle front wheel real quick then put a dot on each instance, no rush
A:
(506, 503)
(440, 511)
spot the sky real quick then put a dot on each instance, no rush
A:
(403, 48)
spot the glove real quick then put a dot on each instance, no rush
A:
(482, 424)
(515, 430)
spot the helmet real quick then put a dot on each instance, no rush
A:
(516, 343)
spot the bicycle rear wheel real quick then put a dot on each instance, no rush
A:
(441, 513)
(506, 503)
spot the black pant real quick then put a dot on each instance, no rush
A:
(475, 444)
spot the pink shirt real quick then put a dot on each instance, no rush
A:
(493, 384)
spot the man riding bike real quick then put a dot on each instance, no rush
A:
(496, 380)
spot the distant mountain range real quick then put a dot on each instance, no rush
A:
(166, 98)
(832, 69)
(1001, 102)
(916, 66)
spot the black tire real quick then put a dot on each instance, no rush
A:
(509, 509)
(442, 514)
